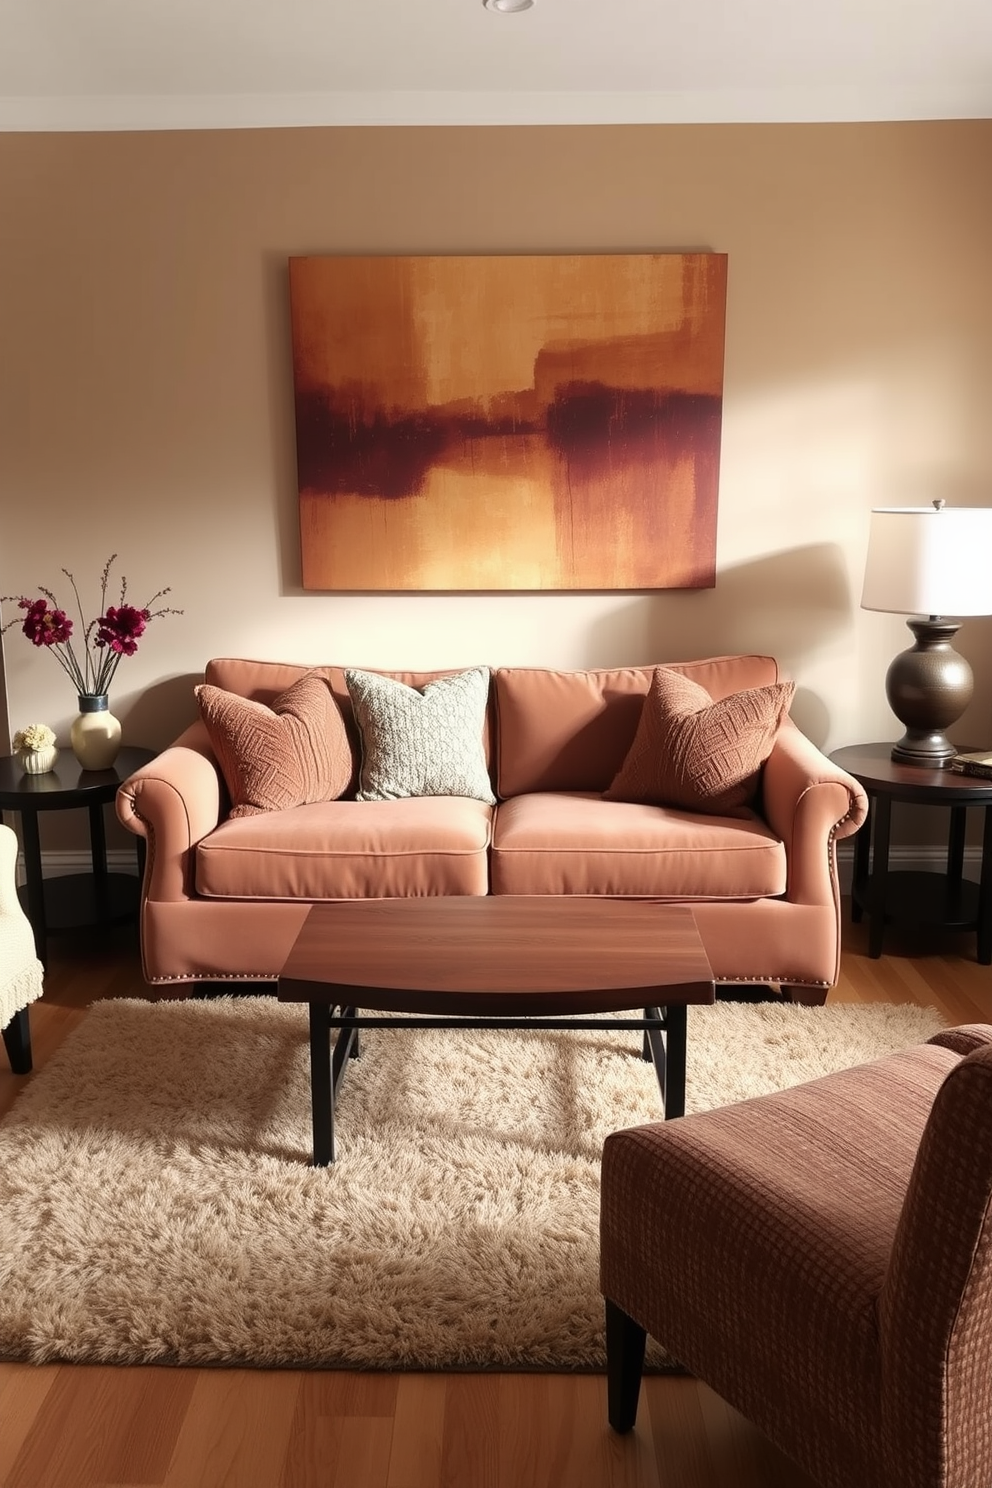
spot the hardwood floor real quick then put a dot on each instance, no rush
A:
(79, 1426)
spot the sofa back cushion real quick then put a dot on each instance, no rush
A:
(571, 731)
(545, 729)
(263, 681)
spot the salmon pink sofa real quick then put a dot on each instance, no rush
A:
(225, 896)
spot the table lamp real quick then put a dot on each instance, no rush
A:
(929, 562)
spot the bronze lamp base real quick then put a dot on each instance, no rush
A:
(928, 688)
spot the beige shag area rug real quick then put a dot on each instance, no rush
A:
(156, 1203)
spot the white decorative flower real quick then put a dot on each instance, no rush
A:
(35, 737)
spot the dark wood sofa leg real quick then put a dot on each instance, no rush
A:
(625, 1341)
(808, 996)
(17, 1042)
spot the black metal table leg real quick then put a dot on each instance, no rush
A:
(955, 844)
(17, 1042)
(34, 884)
(879, 875)
(654, 1049)
(321, 1084)
(98, 859)
(985, 895)
(664, 1032)
(675, 1040)
(862, 850)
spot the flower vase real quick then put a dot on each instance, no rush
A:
(96, 734)
(37, 761)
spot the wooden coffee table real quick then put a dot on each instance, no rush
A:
(493, 962)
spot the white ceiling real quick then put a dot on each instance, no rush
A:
(153, 64)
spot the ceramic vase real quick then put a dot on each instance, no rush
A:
(96, 734)
(37, 761)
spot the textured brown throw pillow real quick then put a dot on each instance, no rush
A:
(291, 754)
(697, 754)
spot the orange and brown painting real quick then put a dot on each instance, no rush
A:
(500, 423)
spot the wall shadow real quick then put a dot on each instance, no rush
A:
(160, 712)
(788, 605)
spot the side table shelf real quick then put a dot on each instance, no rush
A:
(75, 900)
(888, 896)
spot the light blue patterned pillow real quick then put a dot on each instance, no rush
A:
(421, 741)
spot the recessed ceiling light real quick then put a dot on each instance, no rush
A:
(508, 7)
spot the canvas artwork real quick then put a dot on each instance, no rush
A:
(508, 423)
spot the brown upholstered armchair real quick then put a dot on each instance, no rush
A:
(822, 1257)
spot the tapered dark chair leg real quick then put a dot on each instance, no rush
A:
(17, 1042)
(625, 1341)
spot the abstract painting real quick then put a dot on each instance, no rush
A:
(508, 423)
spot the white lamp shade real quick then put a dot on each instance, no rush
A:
(925, 561)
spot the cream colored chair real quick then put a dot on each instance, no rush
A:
(20, 970)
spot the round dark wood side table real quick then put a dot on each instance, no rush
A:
(946, 899)
(76, 899)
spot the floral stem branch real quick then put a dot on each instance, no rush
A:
(113, 634)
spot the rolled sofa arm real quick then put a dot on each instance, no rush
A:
(965, 1038)
(810, 803)
(173, 802)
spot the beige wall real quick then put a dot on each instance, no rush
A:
(146, 398)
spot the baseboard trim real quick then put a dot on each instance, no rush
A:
(909, 860)
(61, 864)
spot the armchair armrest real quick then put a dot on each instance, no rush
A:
(811, 804)
(173, 802)
(934, 1309)
(965, 1038)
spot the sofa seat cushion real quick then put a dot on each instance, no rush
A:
(350, 850)
(577, 843)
